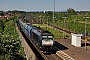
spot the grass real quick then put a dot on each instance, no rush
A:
(56, 33)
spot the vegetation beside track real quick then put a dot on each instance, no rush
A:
(10, 44)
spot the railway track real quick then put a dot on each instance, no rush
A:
(40, 55)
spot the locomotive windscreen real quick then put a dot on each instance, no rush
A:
(47, 37)
(50, 37)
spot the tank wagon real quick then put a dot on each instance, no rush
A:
(42, 38)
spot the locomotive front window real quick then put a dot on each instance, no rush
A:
(50, 37)
(44, 37)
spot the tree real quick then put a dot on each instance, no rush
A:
(1, 13)
(71, 11)
(88, 14)
(10, 47)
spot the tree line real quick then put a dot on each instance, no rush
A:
(72, 22)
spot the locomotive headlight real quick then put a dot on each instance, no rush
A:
(43, 41)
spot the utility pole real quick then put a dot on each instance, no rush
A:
(54, 13)
(85, 32)
(47, 22)
(64, 21)
(64, 25)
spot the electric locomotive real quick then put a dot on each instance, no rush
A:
(42, 38)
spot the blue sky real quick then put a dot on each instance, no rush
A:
(37, 5)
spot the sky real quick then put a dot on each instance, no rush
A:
(44, 5)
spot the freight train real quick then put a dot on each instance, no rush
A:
(42, 38)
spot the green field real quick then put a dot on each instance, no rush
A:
(56, 33)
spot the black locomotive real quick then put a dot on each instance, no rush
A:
(42, 38)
